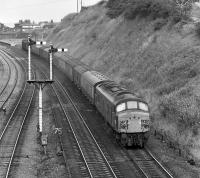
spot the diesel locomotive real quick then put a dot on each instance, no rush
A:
(127, 114)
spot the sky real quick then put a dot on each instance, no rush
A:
(11, 11)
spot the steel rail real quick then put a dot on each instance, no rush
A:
(62, 144)
(20, 129)
(15, 83)
(80, 115)
(13, 112)
(9, 73)
(147, 164)
(75, 136)
(19, 133)
(71, 127)
(147, 150)
(158, 163)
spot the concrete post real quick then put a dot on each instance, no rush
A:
(29, 62)
(50, 64)
(40, 108)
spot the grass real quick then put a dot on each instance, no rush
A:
(153, 9)
(144, 55)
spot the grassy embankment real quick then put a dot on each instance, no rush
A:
(150, 47)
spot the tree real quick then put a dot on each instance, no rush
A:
(184, 6)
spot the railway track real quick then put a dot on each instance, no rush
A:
(143, 160)
(12, 131)
(9, 80)
(84, 154)
(148, 165)
(90, 158)
(5, 72)
(10, 85)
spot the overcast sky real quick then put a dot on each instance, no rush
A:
(11, 11)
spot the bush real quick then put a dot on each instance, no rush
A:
(137, 7)
(116, 8)
(159, 24)
(197, 28)
(143, 8)
(182, 107)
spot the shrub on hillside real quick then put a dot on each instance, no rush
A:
(182, 107)
(143, 8)
(197, 29)
(116, 7)
(159, 23)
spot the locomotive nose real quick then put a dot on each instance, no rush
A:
(133, 122)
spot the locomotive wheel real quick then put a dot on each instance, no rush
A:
(117, 137)
(141, 143)
(123, 141)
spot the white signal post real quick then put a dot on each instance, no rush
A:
(51, 51)
(29, 62)
(40, 108)
(29, 58)
(50, 62)
(40, 84)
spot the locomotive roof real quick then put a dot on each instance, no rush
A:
(94, 77)
(81, 68)
(115, 93)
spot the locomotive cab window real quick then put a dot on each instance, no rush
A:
(143, 106)
(132, 105)
(120, 107)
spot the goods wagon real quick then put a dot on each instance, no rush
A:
(89, 80)
(77, 73)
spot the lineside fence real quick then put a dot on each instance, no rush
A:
(181, 150)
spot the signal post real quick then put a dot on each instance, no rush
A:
(40, 84)
(51, 51)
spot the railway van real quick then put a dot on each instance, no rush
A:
(77, 73)
(89, 80)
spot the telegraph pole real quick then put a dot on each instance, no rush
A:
(29, 57)
(77, 6)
